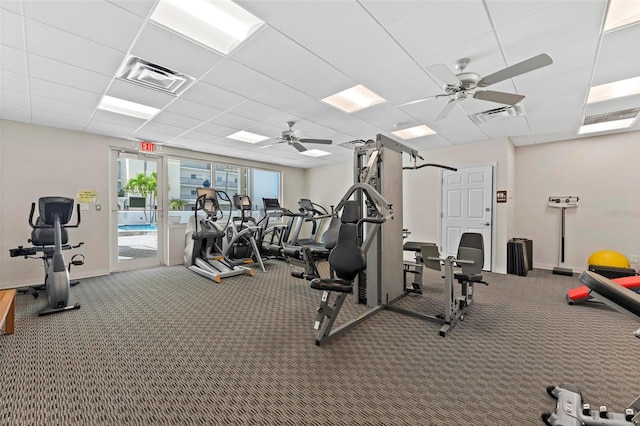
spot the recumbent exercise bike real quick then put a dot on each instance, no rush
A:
(49, 237)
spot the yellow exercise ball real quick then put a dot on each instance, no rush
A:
(609, 258)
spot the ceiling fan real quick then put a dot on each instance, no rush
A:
(463, 85)
(290, 138)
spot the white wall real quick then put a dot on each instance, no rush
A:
(37, 161)
(605, 173)
(422, 192)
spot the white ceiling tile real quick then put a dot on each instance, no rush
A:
(265, 130)
(118, 119)
(139, 94)
(439, 25)
(306, 22)
(195, 135)
(607, 72)
(68, 75)
(271, 52)
(386, 116)
(505, 127)
(207, 94)
(377, 53)
(110, 129)
(177, 120)
(11, 29)
(13, 97)
(151, 136)
(139, 7)
(14, 60)
(65, 47)
(620, 44)
(552, 122)
(458, 129)
(542, 138)
(319, 80)
(402, 85)
(192, 109)
(568, 82)
(238, 78)
(283, 98)
(212, 129)
(54, 119)
(167, 49)
(12, 5)
(232, 121)
(163, 129)
(265, 10)
(46, 104)
(15, 112)
(255, 111)
(505, 13)
(100, 21)
(13, 81)
(430, 142)
(388, 11)
(47, 89)
(548, 30)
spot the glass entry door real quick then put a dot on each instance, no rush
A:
(137, 218)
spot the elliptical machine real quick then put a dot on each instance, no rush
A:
(203, 241)
(49, 236)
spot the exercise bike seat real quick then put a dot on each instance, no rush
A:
(45, 236)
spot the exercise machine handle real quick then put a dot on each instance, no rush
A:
(33, 209)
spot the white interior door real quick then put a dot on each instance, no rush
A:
(467, 207)
(137, 219)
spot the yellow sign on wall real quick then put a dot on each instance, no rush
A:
(87, 196)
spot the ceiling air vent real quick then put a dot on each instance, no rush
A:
(505, 111)
(611, 116)
(145, 73)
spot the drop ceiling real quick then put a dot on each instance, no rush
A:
(59, 58)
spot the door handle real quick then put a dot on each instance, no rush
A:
(487, 224)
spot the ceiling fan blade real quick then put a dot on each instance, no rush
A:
(323, 141)
(542, 60)
(444, 112)
(417, 101)
(499, 97)
(444, 74)
(298, 146)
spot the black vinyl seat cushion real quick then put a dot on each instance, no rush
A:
(328, 284)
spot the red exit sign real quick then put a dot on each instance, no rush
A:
(147, 146)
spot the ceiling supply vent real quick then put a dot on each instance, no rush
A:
(147, 74)
(505, 111)
(611, 116)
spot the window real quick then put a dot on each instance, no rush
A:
(185, 176)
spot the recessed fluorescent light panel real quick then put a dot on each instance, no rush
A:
(315, 153)
(606, 126)
(414, 132)
(219, 24)
(617, 89)
(622, 13)
(249, 137)
(120, 106)
(353, 99)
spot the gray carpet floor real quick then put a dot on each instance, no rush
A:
(166, 346)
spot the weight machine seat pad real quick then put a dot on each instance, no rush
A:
(608, 289)
(340, 286)
(470, 278)
(414, 246)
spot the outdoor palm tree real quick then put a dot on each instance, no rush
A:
(144, 185)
